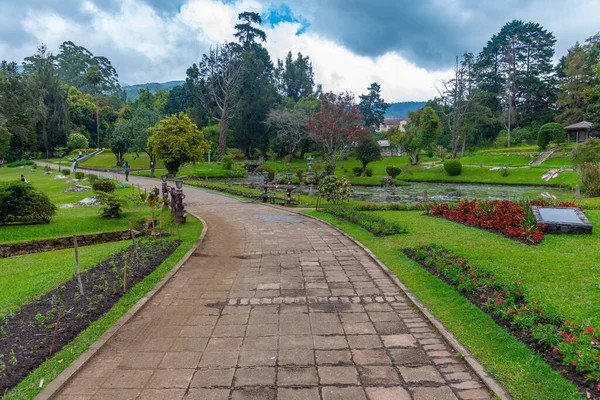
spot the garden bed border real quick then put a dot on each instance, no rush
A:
(65, 376)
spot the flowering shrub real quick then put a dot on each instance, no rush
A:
(577, 345)
(512, 219)
(335, 189)
(374, 224)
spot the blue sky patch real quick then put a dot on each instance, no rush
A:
(283, 13)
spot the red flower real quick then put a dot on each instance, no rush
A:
(511, 311)
(574, 363)
(554, 350)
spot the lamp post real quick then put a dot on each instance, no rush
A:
(177, 207)
(310, 160)
(289, 176)
(266, 176)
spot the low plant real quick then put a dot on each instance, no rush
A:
(227, 162)
(453, 167)
(23, 203)
(92, 178)
(66, 172)
(357, 171)
(79, 175)
(300, 173)
(369, 172)
(111, 204)
(373, 223)
(504, 172)
(22, 163)
(270, 171)
(335, 189)
(104, 185)
(393, 171)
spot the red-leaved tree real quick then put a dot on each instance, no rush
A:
(334, 128)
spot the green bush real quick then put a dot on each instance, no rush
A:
(335, 189)
(300, 173)
(550, 131)
(369, 172)
(104, 185)
(20, 163)
(23, 203)
(268, 168)
(227, 162)
(237, 154)
(66, 172)
(92, 178)
(79, 175)
(393, 171)
(357, 171)
(77, 141)
(453, 167)
(111, 204)
(586, 159)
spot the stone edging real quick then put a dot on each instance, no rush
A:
(479, 370)
(65, 377)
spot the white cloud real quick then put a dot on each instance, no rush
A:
(145, 46)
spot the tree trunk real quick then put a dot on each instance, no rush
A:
(97, 123)
(414, 157)
(223, 132)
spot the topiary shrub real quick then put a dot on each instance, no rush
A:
(104, 185)
(369, 172)
(269, 169)
(548, 132)
(66, 172)
(335, 189)
(79, 175)
(92, 178)
(393, 171)
(227, 162)
(357, 171)
(453, 167)
(111, 204)
(22, 203)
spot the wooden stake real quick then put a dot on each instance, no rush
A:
(60, 312)
(125, 273)
(160, 222)
(77, 270)
(133, 238)
(153, 226)
(178, 235)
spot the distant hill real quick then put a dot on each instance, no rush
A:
(401, 109)
(132, 90)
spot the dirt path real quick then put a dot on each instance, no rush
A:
(274, 305)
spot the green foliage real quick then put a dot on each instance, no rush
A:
(373, 107)
(300, 173)
(373, 223)
(586, 159)
(393, 171)
(23, 203)
(92, 178)
(77, 141)
(335, 189)
(175, 140)
(367, 150)
(269, 169)
(66, 172)
(548, 132)
(453, 167)
(421, 132)
(79, 175)
(357, 171)
(236, 154)
(104, 185)
(15, 164)
(227, 162)
(369, 172)
(111, 204)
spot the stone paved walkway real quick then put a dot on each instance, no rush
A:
(274, 306)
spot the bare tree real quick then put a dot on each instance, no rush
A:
(221, 70)
(290, 127)
(458, 95)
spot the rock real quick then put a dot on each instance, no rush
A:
(48, 173)
(88, 202)
(32, 170)
(387, 181)
(67, 206)
(77, 188)
(547, 195)
(74, 180)
(60, 177)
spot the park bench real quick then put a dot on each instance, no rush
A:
(273, 197)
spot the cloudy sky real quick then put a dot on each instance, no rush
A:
(405, 45)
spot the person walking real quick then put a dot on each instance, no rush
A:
(126, 170)
(74, 166)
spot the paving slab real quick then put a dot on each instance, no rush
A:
(274, 305)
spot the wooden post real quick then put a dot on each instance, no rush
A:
(160, 222)
(133, 238)
(125, 272)
(153, 226)
(77, 270)
(60, 312)
(178, 234)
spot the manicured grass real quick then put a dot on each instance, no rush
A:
(25, 277)
(470, 174)
(522, 372)
(497, 160)
(518, 149)
(109, 161)
(30, 386)
(557, 162)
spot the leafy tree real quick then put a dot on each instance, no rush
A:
(372, 107)
(586, 159)
(575, 79)
(290, 127)
(420, 133)
(121, 140)
(295, 78)
(77, 141)
(335, 126)
(142, 120)
(550, 131)
(367, 150)
(94, 78)
(246, 33)
(176, 140)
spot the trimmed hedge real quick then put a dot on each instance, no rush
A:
(104, 185)
(393, 171)
(453, 167)
(22, 203)
(373, 223)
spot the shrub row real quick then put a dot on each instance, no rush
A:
(376, 225)
(233, 192)
(19, 163)
(576, 346)
(390, 207)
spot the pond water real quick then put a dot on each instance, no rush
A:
(416, 192)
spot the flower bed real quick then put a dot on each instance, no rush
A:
(234, 192)
(510, 218)
(43, 327)
(374, 224)
(570, 348)
(390, 207)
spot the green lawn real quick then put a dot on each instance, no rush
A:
(563, 270)
(497, 160)
(108, 160)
